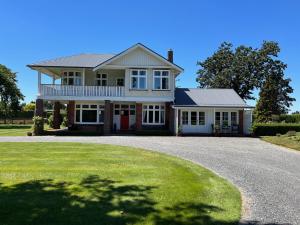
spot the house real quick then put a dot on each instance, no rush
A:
(135, 91)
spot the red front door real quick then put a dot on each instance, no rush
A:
(124, 120)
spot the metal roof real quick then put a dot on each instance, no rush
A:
(206, 97)
(81, 60)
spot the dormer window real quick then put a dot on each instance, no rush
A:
(161, 79)
(101, 79)
(138, 79)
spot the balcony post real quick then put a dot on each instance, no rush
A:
(53, 80)
(83, 77)
(39, 82)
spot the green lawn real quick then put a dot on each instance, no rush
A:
(285, 140)
(68, 183)
(14, 130)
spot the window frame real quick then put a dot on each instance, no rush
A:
(160, 77)
(236, 118)
(138, 76)
(66, 75)
(120, 78)
(101, 79)
(153, 108)
(204, 120)
(100, 108)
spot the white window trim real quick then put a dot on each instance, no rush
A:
(81, 108)
(160, 77)
(160, 110)
(101, 79)
(229, 117)
(189, 123)
(138, 80)
(68, 77)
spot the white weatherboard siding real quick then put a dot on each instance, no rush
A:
(209, 119)
(247, 121)
(138, 57)
(149, 92)
(112, 75)
(198, 128)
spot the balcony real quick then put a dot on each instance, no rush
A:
(53, 90)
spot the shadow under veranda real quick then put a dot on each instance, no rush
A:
(94, 201)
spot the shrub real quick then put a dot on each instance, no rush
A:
(51, 121)
(271, 129)
(38, 125)
(65, 121)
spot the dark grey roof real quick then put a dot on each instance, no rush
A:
(81, 60)
(191, 97)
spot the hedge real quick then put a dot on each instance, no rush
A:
(271, 129)
(290, 118)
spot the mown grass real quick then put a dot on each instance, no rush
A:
(14, 130)
(285, 140)
(68, 183)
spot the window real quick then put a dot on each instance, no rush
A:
(132, 110)
(71, 78)
(225, 118)
(201, 118)
(128, 108)
(161, 79)
(218, 118)
(193, 118)
(138, 79)
(120, 82)
(185, 118)
(89, 113)
(233, 118)
(101, 79)
(153, 114)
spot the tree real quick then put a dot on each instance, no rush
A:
(10, 94)
(241, 69)
(274, 96)
(29, 107)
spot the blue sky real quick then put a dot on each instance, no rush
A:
(36, 30)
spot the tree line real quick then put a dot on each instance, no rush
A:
(246, 69)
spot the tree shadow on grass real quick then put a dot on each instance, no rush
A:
(92, 201)
(95, 201)
(197, 214)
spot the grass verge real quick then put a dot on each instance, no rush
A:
(285, 140)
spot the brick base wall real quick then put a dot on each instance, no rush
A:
(56, 115)
(107, 118)
(39, 107)
(138, 116)
(71, 113)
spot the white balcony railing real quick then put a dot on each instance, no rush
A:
(85, 91)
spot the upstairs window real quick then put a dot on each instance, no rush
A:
(101, 79)
(71, 78)
(138, 79)
(161, 79)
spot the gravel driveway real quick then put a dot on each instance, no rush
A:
(267, 175)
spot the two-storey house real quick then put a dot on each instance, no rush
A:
(132, 90)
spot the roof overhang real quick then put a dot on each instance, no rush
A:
(148, 50)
